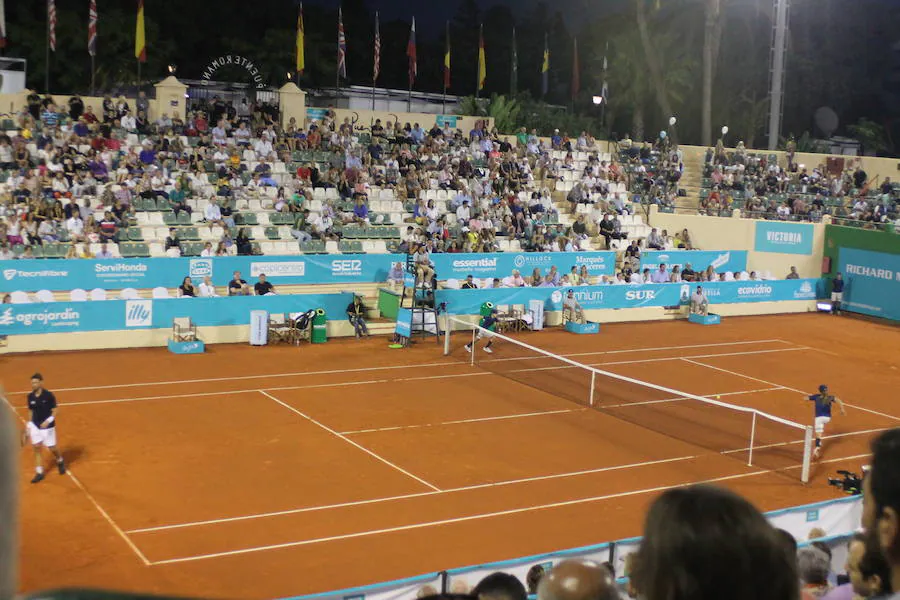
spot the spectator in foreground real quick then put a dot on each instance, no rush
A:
(469, 284)
(881, 501)
(187, 289)
(207, 289)
(499, 586)
(263, 287)
(578, 580)
(793, 274)
(707, 543)
(9, 501)
(238, 286)
(867, 569)
(813, 567)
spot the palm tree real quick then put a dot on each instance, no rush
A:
(712, 38)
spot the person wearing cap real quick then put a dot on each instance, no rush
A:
(572, 310)
(823, 401)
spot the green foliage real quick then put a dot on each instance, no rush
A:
(805, 143)
(870, 134)
(511, 114)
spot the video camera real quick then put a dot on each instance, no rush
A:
(851, 483)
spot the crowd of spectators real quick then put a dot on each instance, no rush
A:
(763, 188)
(75, 174)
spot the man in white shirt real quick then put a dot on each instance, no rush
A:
(75, 227)
(129, 123)
(655, 241)
(264, 150)
(219, 137)
(463, 213)
(572, 310)
(213, 214)
(699, 302)
(660, 275)
(207, 289)
(104, 252)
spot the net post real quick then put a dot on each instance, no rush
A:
(448, 324)
(593, 380)
(752, 437)
(474, 347)
(807, 454)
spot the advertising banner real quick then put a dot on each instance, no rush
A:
(727, 260)
(872, 282)
(783, 237)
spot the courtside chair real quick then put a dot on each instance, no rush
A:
(280, 328)
(44, 296)
(183, 330)
(78, 295)
(160, 293)
(98, 294)
(129, 294)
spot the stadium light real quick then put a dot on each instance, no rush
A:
(172, 69)
(598, 100)
(725, 130)
(672, 121)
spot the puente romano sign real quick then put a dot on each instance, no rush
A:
(227, 60)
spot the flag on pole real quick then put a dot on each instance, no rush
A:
(482, 64)
(301, 35)
(604, 91)
(411, 53)
(446, 59)
(514, 73)
(342, 46)
(140, 42)
(545, 69)
(51, 23)
(2, 25)
(576, 76)
(92, 28)
(377, 66)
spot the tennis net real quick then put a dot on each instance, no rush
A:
(753, 436)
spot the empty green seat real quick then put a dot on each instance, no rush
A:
(272, 233)
(170, 219)
(184, 218)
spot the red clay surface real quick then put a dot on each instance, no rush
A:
(385, 464)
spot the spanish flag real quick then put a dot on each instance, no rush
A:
(545, 69)
(482, 66)
(301, 58)
(140, 42)
(447, 60)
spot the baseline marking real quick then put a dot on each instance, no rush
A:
(501, 513)
(736, 373)
(349, 441)
(384, 368)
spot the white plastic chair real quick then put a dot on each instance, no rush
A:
(160, 292)
(44, 296)
(19, 297)
(98, 294)
(729, 276)
(129, 294)
(78, 295)
(745, 276)
(451, 284)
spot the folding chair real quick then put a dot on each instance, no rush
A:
(280, 328)
(183, 330)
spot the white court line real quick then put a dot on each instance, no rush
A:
(419, 378)
(90, 497)
(599, 407)
(467, 488)
(826, 438)
(384, 368)
(857, 407)
(489, 515)
(349, 441)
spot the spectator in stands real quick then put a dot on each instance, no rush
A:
(675, 277)
(701, 540)
(104, 251)
(661, 275)
(577, 580)
(242, 242)
(469, 284)
(263, 287)
(516, 279)
(813, 568)
(238, 286)
(356, 314)
(572, 310)
(395, 275)
(633, 255)
(655, 241)
(213, 214)
(173, 244)
(187, 289)
(75, 227)
(207, 289)
(867, 570)
(793, 274)
(688, 274)
(424, 266)
(699, 302)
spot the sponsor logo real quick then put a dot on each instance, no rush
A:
(138, 313)
(475, 263)
(188, 347)
(640, 294)
(65, 318)
(756, 290)
(685, 292)
(806, 291)
(201, 267)
(104, 269)
(791, 238)
(885, 274)
(591, 262)
(536, 259)
(10, 274)
(296, 268)
(556, 297)
(586, 296)
(721, 260)
(346, 267)
(663, 258)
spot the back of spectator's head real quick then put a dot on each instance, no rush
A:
(881, 499)
(871, 575)
(813, 565)
(533, 578)
(578, 580)
(706, 543)
(788, 541)
(500, 586)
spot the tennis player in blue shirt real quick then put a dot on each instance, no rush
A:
(823, 401)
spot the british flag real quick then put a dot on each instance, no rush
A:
(51, 23)
(92, 28)
(342, 47)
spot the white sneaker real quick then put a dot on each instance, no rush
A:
(469, 350)
(488, 350)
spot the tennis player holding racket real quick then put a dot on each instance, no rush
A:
(823, 401)
(487, 325)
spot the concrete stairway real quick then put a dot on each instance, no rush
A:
(691, 181)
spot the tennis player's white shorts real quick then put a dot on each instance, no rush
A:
(484, 333)
(821, 422)
(41, 437)
(837, 296)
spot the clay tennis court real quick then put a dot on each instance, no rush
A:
(278, 471)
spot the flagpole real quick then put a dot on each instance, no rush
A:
(47, 74)
(478, 64)
(377, 59)
(93, 74)
(446, 51)
(337, 75)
